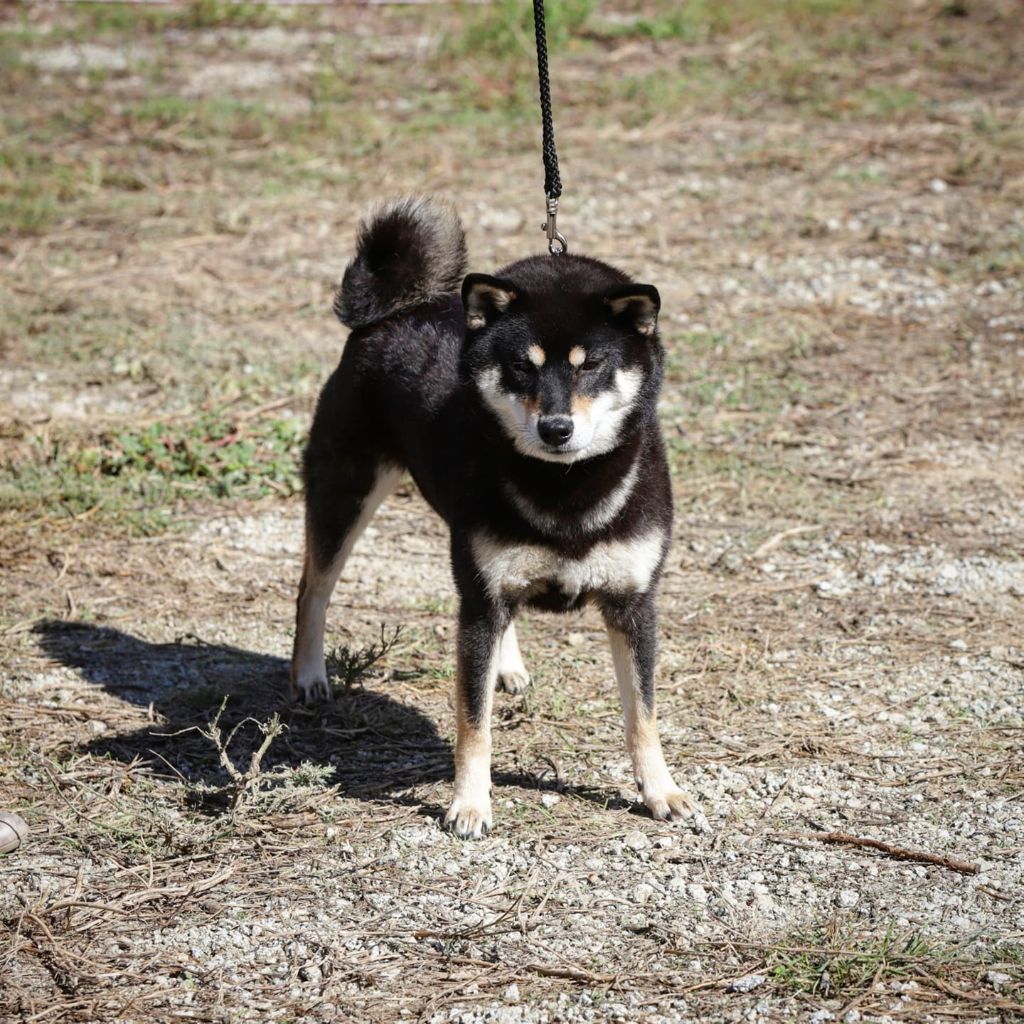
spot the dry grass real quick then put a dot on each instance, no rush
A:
(827, 195)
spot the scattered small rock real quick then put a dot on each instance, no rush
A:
(642, 893)
(697, 893)
(311, 974)
(637, 841)
(998, 980)
(747, 984)
(847, 898)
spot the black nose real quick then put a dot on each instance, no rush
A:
(554, 430)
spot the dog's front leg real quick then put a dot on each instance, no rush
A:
(632, 630)
(479, 644)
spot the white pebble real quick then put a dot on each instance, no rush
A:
(697, 893)
(848, 898)
(636, 841)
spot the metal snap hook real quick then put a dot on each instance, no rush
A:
(556, 240)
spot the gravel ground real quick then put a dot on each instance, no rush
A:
(841, 650)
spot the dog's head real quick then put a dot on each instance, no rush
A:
(564, 351)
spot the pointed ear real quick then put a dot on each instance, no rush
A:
(636, 303)
(485, 298)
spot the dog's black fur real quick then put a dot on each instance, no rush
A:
(473, 395)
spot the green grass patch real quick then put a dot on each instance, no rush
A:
(220, 117)
(703, 21)
(807, 55)
(836, 963)
(688, 22)
(91, 19)
(47, 174)
(741, 386)
(885, 101)
(35, 189)
(504, 29)
(138, 477)
(15, 39)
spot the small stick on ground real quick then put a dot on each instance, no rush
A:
(900, 852)
(774, 541)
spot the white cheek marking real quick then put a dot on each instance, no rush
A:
(577, 356)
(589, 521)
(507, 407)
(537, 355)
(628, 383)
(609, 410)
(624, 566)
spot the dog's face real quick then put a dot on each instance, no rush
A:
(562, 352)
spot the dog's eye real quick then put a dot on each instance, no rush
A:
(522, 366)
(592, 363)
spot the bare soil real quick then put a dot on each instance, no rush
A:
(832, 210)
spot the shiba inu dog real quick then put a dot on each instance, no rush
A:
(523, 405)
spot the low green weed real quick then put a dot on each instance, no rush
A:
(505, 30)
(349, 666)
(139, 476)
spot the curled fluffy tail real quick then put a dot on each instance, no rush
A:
(408, 252)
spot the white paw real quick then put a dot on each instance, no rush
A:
(313, 690)
(513, 680)
(669, 803)
(469, 819)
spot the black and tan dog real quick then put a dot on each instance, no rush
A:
(525, 411)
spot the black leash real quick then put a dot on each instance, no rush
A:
(552, 182)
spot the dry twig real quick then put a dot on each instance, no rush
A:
(900, 852)
(776, 539)
(247, 781)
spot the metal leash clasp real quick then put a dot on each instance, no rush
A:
(556, 240)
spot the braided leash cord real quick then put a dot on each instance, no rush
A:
(552, 181)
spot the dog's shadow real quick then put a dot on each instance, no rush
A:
(378, 747)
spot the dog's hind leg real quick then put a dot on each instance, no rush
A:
(632, 630)
(341, 498)
(512, 674)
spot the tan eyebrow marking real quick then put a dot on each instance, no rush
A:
(537, 355)
(577, 355)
